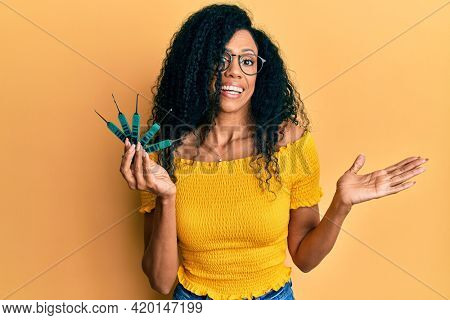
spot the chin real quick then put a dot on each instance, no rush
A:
(227, 105)
(230, 107)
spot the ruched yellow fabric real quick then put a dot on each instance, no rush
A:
(232, 235)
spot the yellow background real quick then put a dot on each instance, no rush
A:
(374, 76)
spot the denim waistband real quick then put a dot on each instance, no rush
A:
(284, 293)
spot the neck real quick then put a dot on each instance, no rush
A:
(229, 127)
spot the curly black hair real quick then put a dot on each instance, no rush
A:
(184, 85)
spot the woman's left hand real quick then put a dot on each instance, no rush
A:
(353, 188)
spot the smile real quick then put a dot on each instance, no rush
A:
(230, 94)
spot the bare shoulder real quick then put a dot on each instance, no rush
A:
(289, 132)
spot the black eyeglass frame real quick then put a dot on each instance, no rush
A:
(239, 58)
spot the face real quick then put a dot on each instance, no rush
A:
(241, 43)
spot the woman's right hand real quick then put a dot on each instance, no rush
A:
(145, 174)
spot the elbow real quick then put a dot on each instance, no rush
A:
(308, 263)
(305, 269)
(155, 282)
(304, 266)
(155, 285)
(161, 290)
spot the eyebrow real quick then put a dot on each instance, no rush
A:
(243, 50)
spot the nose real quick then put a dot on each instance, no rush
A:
(234, 69)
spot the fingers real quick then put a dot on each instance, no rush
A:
(407, 167)
(407, 171)
(148, 166)
(126, 145)
(357, 164)
(400, 164)
(138, 174)
(401, 187)
(125, 166)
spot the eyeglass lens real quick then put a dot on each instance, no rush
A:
(250, 64)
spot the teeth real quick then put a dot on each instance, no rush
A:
(233, 88)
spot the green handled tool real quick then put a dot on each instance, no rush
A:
(123, 121)
(111, 126)
(160, 145)
(145, 139)
(135, 124)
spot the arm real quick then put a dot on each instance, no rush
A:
(160, 260)
(310, 240)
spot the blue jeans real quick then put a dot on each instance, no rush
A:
(284, 293)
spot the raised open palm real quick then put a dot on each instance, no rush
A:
(356, 188)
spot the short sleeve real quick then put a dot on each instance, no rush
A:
(306, 190)
(148, 199)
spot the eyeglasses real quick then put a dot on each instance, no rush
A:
(249, 63)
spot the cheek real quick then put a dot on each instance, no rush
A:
(251, 87)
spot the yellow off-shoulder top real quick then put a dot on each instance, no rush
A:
(232, 235)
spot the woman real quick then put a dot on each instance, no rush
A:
(242, 184)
